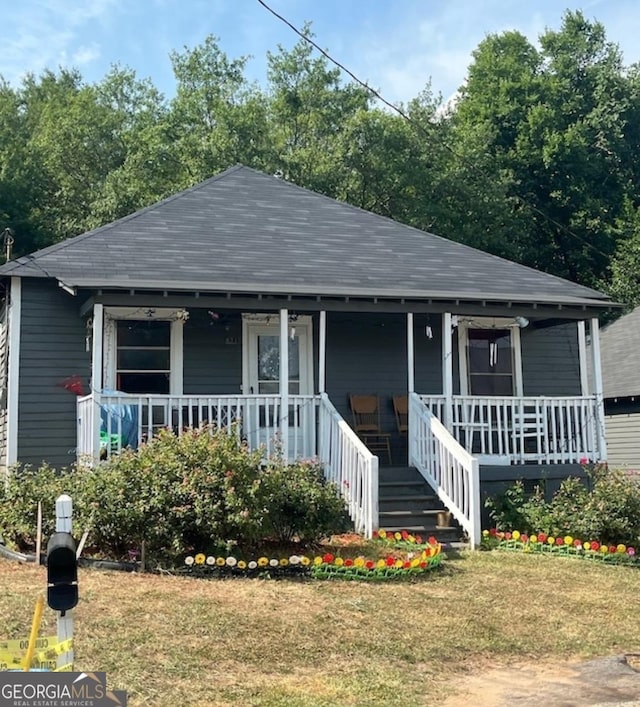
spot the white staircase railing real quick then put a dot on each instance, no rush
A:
(447, 466)
(350, 466)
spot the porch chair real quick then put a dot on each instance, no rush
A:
(401, 411)
(365, 410)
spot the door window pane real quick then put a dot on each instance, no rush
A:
(269, 364)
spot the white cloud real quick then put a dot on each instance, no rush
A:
(42, 34)
(85, 54)
(431, 40)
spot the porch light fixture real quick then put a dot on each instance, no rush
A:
(292, 333)
(522, 322)
(428, 332)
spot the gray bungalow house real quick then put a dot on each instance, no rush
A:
(249, 299)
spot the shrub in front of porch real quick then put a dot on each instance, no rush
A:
(202, 489)
(299, 504)
(25, 487)
(176, 492)
(607, 508)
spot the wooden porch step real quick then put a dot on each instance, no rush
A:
(395, 474)
(447, 536)
(407, 502)
(431, 512)
(403, 484)
(410, 497)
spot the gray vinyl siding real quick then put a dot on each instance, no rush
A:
(212, 354)
(623, 440)
(52, 348)
(366, 353)
(428, 354)
(550, 360)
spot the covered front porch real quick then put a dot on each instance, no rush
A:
(450, 431)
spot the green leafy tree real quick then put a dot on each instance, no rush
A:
(217, 118)
(559, 124)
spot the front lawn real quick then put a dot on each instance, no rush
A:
(175, 640)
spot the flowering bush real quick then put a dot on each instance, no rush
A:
(173, 493)
(565, 545)
(326, 566)
(202, 489)
(605, 505)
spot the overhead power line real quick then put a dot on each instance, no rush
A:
(420, 128)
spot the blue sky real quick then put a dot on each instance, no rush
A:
(396, 45)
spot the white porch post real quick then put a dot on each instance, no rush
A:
(410, 376)
(96, 352)
(410, 354)
(597, 388)
(284, 382)
(447, 370)
(97, 339)
(322, 352)
(582, 355)
(13, 371)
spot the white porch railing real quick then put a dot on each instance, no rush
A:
(512, 430)
(449, 468)
(351, 466)
(108, 423)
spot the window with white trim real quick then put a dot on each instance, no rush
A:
(143, 356)
(490, 362)
(490, 357)
(143, 350)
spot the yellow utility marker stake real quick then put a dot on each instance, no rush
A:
(33, 637)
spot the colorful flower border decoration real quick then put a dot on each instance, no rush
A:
(403, 539)
(326, 566)
(565, 545)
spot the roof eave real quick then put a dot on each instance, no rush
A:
(302, 290)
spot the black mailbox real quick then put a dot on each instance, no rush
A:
(62, 572)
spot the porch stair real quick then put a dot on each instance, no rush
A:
(407, 502)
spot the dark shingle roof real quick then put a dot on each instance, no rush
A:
(620, 356)
(244, 231)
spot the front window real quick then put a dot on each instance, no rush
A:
(143, 356)
(490, 362)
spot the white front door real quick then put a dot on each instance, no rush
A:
(261, 355)
(261, 376)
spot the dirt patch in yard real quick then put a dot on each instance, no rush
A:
(614, 680)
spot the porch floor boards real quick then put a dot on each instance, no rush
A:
(407, 502)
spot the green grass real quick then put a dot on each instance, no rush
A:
(175, 640)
